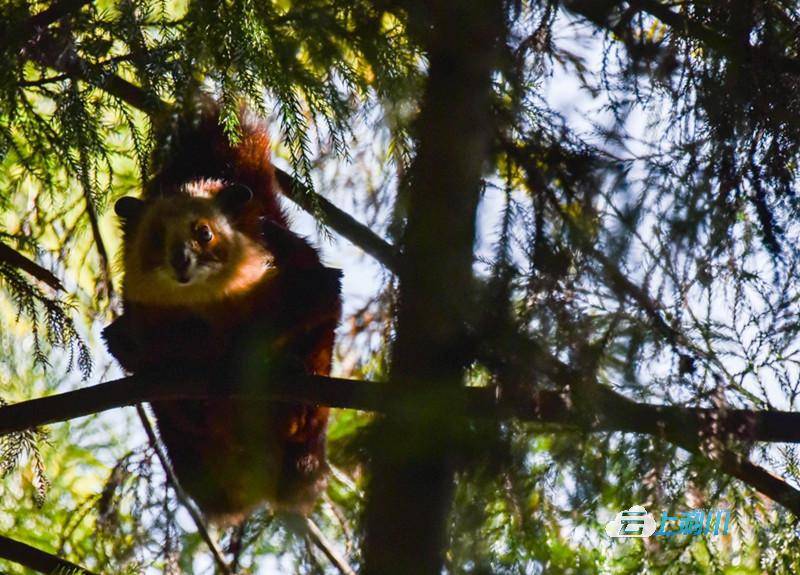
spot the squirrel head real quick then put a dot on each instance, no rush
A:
(186, 249)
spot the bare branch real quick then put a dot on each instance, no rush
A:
(183, 497)
(318, 538)
(345, 224)
(10, 256)
(36, 559)
(684, 426)
(614, 412)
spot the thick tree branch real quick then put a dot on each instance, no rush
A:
(613, 412)
(687, 427)
(36, 559)
(10, 256)
(749, 473)
(41, 20)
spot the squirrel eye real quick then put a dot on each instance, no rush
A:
(204, 234)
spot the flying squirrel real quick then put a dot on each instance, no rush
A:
(216, 281)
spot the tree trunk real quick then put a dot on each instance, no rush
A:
(413, 456)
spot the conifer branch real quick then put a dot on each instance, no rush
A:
(614, 276)
(614, 412)
(118, 87)
(339, 220)
(683, 25)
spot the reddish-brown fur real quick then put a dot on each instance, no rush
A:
(230, 455)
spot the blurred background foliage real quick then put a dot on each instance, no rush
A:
(640, 202)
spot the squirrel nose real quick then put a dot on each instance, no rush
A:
(180, 261)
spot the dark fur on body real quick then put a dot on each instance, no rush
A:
(273, 315)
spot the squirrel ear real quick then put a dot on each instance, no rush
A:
(128, 207)
(232, 198)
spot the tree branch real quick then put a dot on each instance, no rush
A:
(345, 224)
(41, 20)
(321, 542)
(746, 471)
(36, 559)
(55, 12)
(10, 256)
(614, 412)
(687, 427)
(100, 245)
(51, 52)
(182, 496)
(598, 13)
(611, 272)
